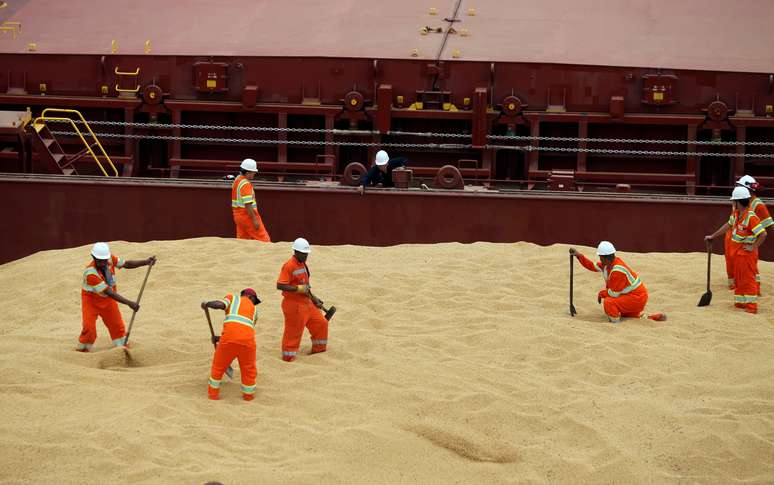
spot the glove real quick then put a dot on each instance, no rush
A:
(601, 294)
(216, 339)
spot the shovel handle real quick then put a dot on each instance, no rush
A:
(139, 297)
(709, 263)
(209, 322)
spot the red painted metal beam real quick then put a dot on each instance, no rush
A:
(72, 211)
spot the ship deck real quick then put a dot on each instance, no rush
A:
(715, 35)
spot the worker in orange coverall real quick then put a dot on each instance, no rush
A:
(760, 209)
(300, 307)
(757, 205)
(100, 298)
(237, 341)
(624, 294)
(249, 224)
(747, 234)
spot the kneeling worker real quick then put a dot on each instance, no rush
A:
(300, 307)
(237, 341)
(381, 171)
(244, 208)
(624, 294)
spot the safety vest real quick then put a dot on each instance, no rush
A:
(238, 201)
(108, 280)
(631, 277)
(742, 232)
(233, 315)
(763, 214)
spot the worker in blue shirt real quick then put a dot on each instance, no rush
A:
(381, 171)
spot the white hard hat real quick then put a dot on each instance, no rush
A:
(740, 193)
(302, 246)
(100, 250)
(382, 158)
(747, 181)
(249, 165)
(605, 248)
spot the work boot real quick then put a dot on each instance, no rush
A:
(248, 397)
(751, 308)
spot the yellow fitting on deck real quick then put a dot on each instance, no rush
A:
(433, 11)
(471, 12)
(32, 47)
(456, 53)
(147, 46)
(113, 46)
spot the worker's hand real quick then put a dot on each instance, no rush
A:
(749, 248)
(302, 289)
(204, 305)
(574, 252)
(602, 294)
(361, 189)
(150, 261)
(708, 238)
(215, 339)
(134, 306)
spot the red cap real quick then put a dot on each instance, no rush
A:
(249, 292)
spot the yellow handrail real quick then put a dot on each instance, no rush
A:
(43, 118)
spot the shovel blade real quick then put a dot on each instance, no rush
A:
(329, 314)
(706, 298)
(572, 310)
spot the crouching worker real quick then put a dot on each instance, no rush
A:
(624, 294)
(237, 341)
(100, 297)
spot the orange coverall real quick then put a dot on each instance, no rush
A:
(624, 294)
(242, 193)
(745, 229)
(300, 312)
(757, 205)
(762, 212)
(236, 342)
(95, 303)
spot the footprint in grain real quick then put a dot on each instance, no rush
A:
(465, 447)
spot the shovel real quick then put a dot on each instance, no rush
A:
(706, 298)
(131, 322)
(229, 371)
(572, 307)
(329, 312)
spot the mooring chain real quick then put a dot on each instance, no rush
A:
(435, 146)
(421, 146)
(271, 129)
(613, 151)
(267, 129)
(629, 140)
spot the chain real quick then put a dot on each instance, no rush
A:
(242, 141)
(630, 140)
(271, 129)
(611, 151)
(420, 146)
(266, 129)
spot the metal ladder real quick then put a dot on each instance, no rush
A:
(50, 149)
